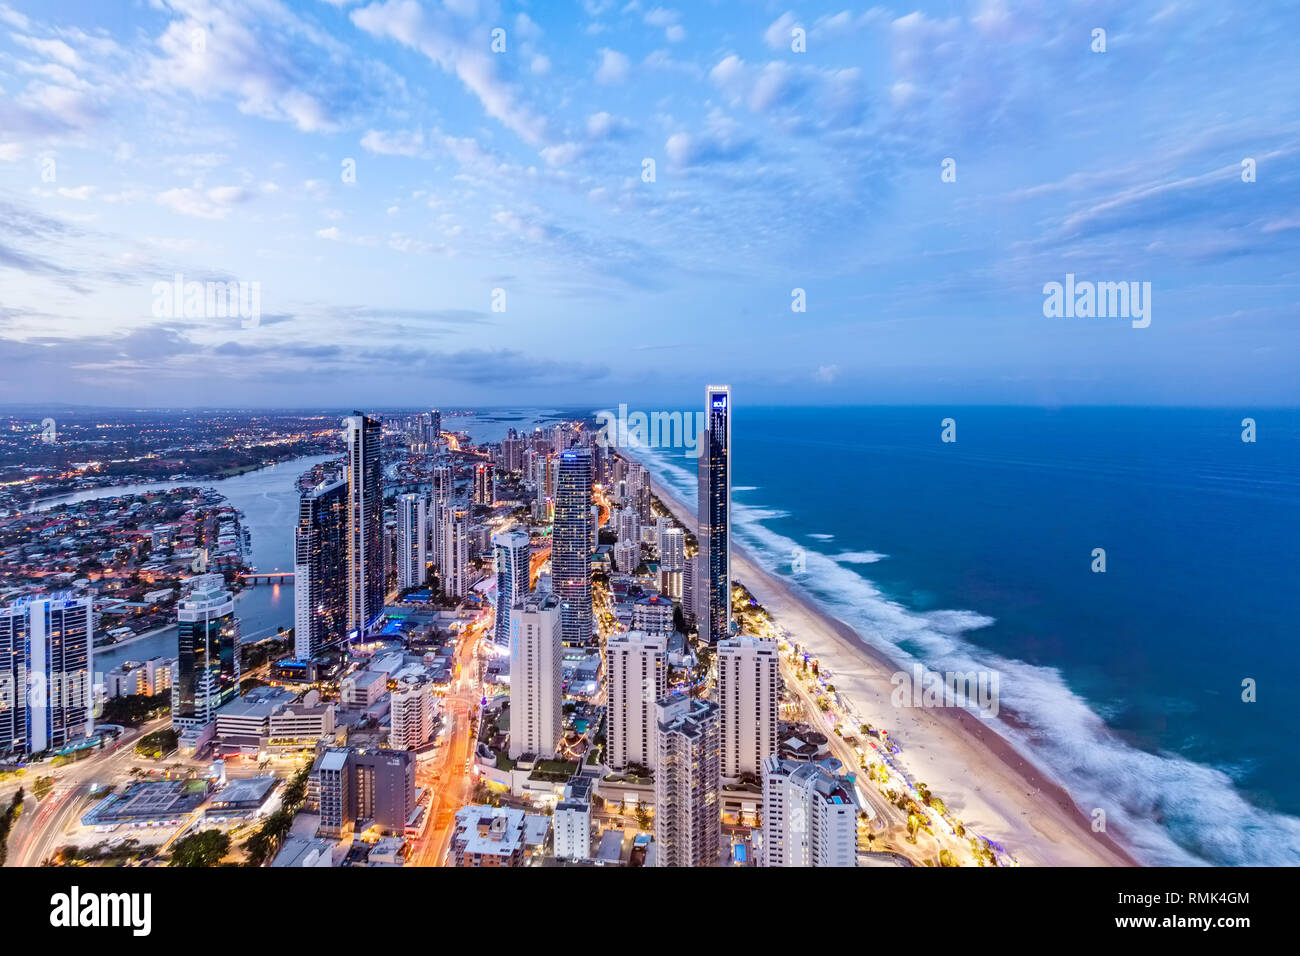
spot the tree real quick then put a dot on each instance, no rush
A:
(200, 849)
(642, 817)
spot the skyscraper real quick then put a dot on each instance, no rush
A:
(810, 817)
(365, 522)
(749, 685)
(512, 552)
(484, 490)
(434, 427)
(636, 675)
(571, 544)
(454, 567)
(207, 653)
(672, 562)
(412, 541)
(46, 676)
(320, 569)
(713, 564)
(536, 693)
(688, 820)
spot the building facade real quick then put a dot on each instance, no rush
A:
(320, 570)
(207, 653)
(713, 563)
(571, 544)
(688, 818)
(749, 691)
(512, 552)
(365, 477)
(810, 817)
(636, 676)
(536, 687)
(412, 541)
(46, 672)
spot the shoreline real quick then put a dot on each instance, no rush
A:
(1016, 803)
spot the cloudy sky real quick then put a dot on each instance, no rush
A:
(379, 169)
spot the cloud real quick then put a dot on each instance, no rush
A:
(444, 37)
(212, 203)
(613, 67)
(394, 143)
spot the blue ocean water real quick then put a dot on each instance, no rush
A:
(1127, 685)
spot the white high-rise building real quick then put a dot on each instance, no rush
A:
(627, 525)
(671, 543)
(412, 541)
(46, 672)
(636, 675)
(454, 566)
(627, 556)
(749, 691)
(513, 553)
(412, 712)
(688, 817)
(536, 687)
(810, 817)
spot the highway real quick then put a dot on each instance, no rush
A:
(450, 774)
(37, 834)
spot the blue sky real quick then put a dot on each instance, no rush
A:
(209, 138)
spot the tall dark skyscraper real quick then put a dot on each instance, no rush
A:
(571, 545)
(713, 563)
(365, 522)
(320, 569)
(433, 424)
(207, 652)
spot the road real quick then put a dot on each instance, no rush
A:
(449, 774)
(36, 835)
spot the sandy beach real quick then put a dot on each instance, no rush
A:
(981, 777)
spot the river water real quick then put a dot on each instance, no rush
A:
(268, 500)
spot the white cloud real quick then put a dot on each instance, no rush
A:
(777, 36)
(394, 143)
(613, 67)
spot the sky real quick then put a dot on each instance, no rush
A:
(463, 202)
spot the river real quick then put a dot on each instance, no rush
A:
(268, 500)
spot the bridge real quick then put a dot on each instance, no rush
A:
(263, 577)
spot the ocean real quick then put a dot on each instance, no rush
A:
(978, 554)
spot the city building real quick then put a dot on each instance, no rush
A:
(688, 818)
(149, 678)
(412, 714)
(489, 836)
(412, 541)
(454, 566)
(627, 525)
(627, 556)
(810, 817)
(46, 672)
(572, 821)
(636, 676)
(433, 426)
(713, 563)
(320, 569)
(749, 691)
(536, 692)
(571, 544)
(371, 787)
(207, 653)
(365, 521)
(484, 490)
(512, 552)
(653, 614)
